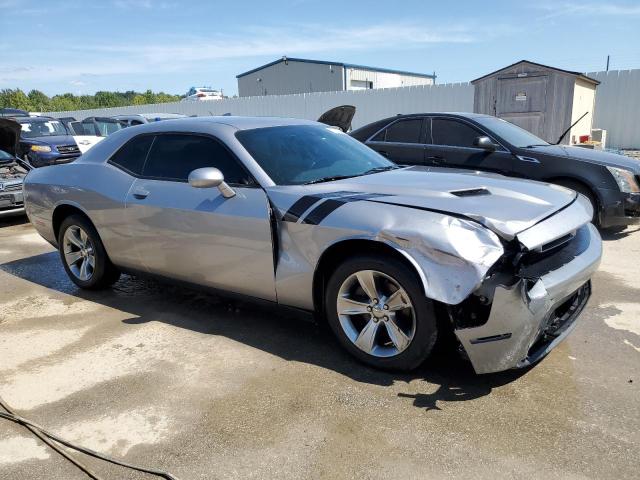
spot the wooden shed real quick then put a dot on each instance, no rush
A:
(541, 99)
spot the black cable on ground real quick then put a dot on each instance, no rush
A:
(47, 436)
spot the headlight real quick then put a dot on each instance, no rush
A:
(625, 179)
(40, 148)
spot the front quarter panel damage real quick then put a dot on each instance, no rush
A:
(452, 255)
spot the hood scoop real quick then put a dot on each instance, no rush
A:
(471, 192)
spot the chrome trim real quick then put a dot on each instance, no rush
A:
(527, 159)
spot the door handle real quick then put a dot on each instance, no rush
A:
(140, 193)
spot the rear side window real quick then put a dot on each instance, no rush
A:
(132, 155)
(404, 131)
(453, 133)
(174, 157)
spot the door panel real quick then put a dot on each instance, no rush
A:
(197, 235)
(522, 100)
(453, 147)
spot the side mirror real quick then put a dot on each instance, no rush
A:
(210, 178)
(485, 142)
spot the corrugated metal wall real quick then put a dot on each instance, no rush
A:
(618, 107)
(370, 105)
(385, 79)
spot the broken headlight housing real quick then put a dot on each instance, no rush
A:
(625, 179)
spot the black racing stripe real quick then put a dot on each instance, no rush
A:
(321, 211)
(299, 207)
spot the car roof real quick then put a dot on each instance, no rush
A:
(240, 123)
(33, 119)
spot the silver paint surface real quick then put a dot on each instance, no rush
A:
(196, 235)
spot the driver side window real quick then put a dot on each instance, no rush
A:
(174, 156)
(453, 133)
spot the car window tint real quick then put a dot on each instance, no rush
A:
(453, 133)
(132, 155)
(380, 137)
(174, 157)
(405, 131)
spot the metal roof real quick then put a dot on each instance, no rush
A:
(577, 74)
(338, 64)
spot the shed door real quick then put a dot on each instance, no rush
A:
(523, 101)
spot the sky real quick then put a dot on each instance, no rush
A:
(163, 45)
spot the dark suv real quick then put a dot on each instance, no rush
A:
(45, 141)
(482, 142)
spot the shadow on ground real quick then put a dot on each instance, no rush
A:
(616, 233)
(276, 331)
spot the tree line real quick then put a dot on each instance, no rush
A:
(37, 101)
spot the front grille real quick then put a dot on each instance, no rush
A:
(561, 318)
(12, 188)
(68, 149)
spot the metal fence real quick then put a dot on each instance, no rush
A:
(617, 105)
(370, 105)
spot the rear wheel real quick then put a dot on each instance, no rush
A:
(83, 255)
(376, 308)
(587, 192)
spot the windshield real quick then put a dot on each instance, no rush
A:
(298, 154)
(47, 128)
(106, 128)
(5, 157)
(516, 136)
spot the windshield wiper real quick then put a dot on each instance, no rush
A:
(328, 179)
(537, 145)
(381, 169)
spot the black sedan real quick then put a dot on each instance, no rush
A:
(482, 142)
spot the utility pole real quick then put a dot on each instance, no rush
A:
(607, 63)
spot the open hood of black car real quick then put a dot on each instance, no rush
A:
(9, 136)
(340, 117)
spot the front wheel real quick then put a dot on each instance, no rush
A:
(83, 255)
(378, 311)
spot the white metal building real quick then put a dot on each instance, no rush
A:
(298, 75)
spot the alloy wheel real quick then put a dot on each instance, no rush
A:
(376, 313)
(79, 253)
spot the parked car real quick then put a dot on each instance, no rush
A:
(98, 126)
(13, 112)
(298, 213)
(202, 94)
(142, 118)
(84, 142)
(481, 142)
(12, 170)
(45, 141)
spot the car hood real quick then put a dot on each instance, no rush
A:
(52, 140)
(507, 206)
(594, 156)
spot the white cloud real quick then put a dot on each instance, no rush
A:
(171, 53)
(594, 9)
(77, 83)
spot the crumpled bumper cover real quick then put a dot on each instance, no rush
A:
(529, 318)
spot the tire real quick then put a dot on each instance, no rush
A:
(79, 239)
(376, 329)
(587, 192)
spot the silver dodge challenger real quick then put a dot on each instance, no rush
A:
(300, 214)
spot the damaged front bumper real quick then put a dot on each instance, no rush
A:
(535, 311)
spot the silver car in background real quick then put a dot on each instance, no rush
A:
(298, 213)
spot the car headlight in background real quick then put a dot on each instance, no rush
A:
(40, 148)
(625, 179)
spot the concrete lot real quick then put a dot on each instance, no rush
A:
(189, 383)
